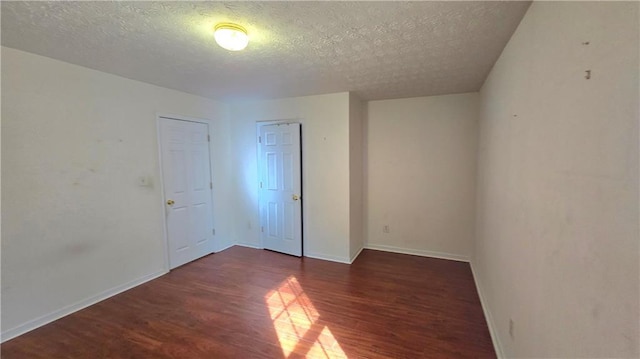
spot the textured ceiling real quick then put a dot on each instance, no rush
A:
(378, 50)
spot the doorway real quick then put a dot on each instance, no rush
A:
(187, 189)
(280, 186)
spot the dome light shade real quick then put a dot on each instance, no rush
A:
(231, 36)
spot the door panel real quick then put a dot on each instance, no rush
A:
(186, 173)
(289, 222)
(281, 188)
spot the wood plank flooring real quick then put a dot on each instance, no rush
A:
(248, 303)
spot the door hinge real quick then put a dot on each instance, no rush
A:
(262, 229)
(208, 138)
(259, 139)
(211, 185)
(213, 231)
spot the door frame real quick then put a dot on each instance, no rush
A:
(165, 232)
(259, 125)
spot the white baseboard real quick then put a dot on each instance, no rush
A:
(248, 245)
(224, 248)
(72, 308)
(417, 252)
(356, 256)
(497, 345)
(326, 257)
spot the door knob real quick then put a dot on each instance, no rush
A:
(295, 197)
(170, 202)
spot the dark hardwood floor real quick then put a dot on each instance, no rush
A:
(248, 303)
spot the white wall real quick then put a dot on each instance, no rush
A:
(76, 225)
(420, 174)
(325, 172)
(557, 239)
(356, 191)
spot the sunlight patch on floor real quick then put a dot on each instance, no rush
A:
(297, 323)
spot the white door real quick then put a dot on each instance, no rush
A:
(281, 188)
(186, 171)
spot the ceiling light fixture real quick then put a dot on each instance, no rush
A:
(230, 36)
